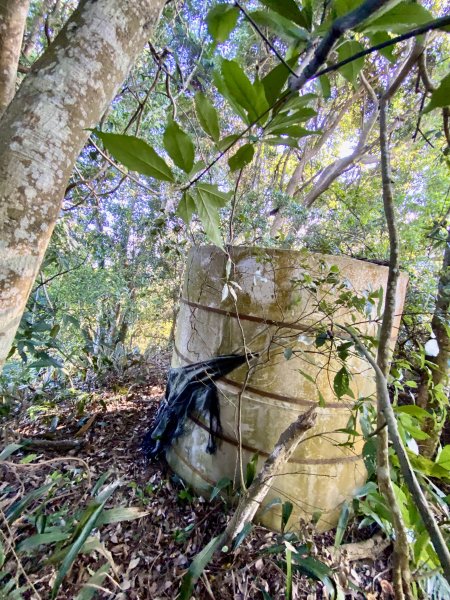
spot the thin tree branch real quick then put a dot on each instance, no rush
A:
(265, 38)
(338, 27)
(432, 25)
(407, 471)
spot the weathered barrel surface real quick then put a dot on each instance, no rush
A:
(282, 303)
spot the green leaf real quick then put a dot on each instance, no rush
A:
(251, 469)
(286, 512)
(325, 86)
(208, 200)
(352, 69)
(186, 207)
(18, 507)
(8, 450)
(413, 410)
(122, 513)
(399, 19)
(444, 458)
(275, 80)
(221, 20)
(207, 115)
(281, 141)
(197, 566)
(225, 142)
(239, 87)
(136, 155)
(220, 485)
(34, 541)
(90, 588)
(293, 131)
(322, 402)
(344, 517)
(428, 467)
(441, 96)
(242, 158)
(341, 7)
(179, 146)
(341, 382)
(378, 38)
(242, 535)
(284, 28)
(316, 569)
(288, 9)
(223, 90)
(75, 548)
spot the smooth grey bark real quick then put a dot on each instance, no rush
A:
(13, 16)
(46, 126)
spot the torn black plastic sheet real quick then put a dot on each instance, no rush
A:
(190, 389)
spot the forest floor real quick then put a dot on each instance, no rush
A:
(149, 556)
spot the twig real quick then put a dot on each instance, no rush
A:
(265, 38)
(432, 25)
(338, 27)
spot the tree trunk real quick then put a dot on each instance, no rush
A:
(46, 126)
(13, 16)
(439, 376)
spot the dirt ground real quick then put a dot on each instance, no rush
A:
(149, 556)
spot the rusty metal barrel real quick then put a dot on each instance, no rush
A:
(284, 305)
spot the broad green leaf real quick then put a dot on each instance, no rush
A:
(219, 198)
(303, 114)
(221, 20)
(243, 157)
(208, 200)
(285, 29)
(90, 588)
(123, 513)
(223, 90)
(316, 569)
(341, 382)
(186, 207)
(281, 141)
(261, 106)
(275, 80)
(40, 539)
(251, 470)
(352, 69)
(378, 38)
(399, 19)
(288, 9)
(179, 146)
(413, 410)
(75, 548)
(444, 458)
(207, 115)
(344, 517)
(428, 467)
(239, 87)
(225, 142)
(325, 86)
(197, 566)
(295, 131)
(286, 512)
(341, 7)
(136, 155)
(441, 96)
